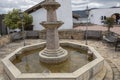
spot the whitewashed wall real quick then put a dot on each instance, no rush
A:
(97, 13)
(64, 13)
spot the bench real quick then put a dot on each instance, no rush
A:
(16, 36)
(32, 34)
(93, 34)
(110, 37)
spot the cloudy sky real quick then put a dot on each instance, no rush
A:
(81, 4)
(7, 5)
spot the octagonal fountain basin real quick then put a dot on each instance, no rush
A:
(24, 63)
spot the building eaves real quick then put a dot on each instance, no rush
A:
(34, 8)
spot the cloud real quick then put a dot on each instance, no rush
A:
(79, 1)
(7, 5)
(81, 4)
(95, 5)
(118, 4)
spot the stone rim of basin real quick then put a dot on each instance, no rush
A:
(95, 65)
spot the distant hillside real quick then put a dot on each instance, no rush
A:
(81, 13)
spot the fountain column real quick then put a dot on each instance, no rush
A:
(53, 53)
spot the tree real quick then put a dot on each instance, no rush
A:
(109, 23)
(27, 19)
(13, 20)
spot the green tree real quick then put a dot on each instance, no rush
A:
(13, 20)
(109, 23)
(27, 19)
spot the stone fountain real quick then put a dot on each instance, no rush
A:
(53, 53)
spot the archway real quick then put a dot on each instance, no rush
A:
(116, 16)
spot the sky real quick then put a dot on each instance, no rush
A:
(7, 5)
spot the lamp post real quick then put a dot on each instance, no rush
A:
(87, 12)
(23, 32)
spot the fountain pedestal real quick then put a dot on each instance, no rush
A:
(53, 53)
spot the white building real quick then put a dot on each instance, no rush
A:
(98, 16)
(64, 13)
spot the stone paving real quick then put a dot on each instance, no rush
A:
(106, 50)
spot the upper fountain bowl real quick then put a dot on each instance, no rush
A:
(54, 24)
(50, 4)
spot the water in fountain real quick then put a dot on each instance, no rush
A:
(28, 62)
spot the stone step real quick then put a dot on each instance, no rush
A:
(105, 74)
(100, 75)
(109, 73)
(4, 76)
(116, 72)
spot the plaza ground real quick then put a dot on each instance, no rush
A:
(106, 50)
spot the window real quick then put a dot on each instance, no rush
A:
(102, 18)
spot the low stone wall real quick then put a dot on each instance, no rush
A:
(4, 40)
(66, 34)
(93, 34)
(32, 34)
(9, 38)
(71, 34)
(63, 34)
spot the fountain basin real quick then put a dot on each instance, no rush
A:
(84, 73)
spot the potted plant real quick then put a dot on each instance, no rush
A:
(109, 22)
